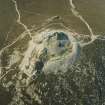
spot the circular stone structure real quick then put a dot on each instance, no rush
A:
(51, 51)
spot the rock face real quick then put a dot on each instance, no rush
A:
(47, 59)
(52, 70)
(57, 49)
(44, 75)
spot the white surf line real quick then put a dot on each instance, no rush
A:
(78, 15)
(19, 19)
